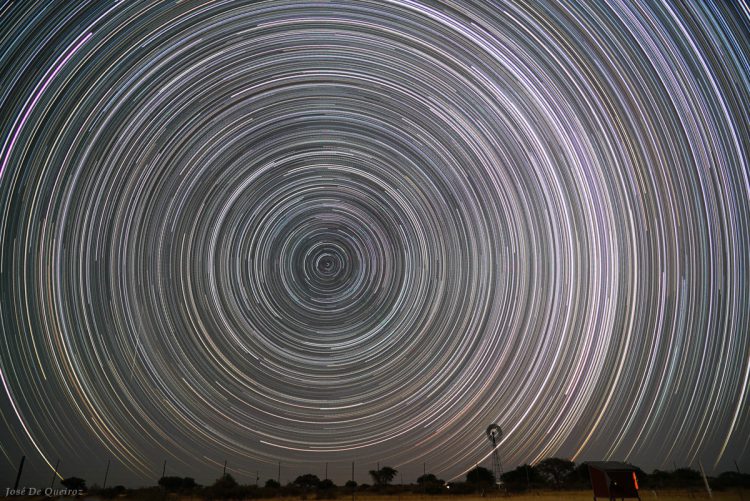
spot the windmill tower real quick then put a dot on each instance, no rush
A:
(494, 433)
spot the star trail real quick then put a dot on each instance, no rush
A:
(310, 231)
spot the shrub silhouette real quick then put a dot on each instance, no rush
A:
(74, 484)
(174, 484)
(225, 482)
(427, 478)
(480, 477)
(307, 481)
(731, 479)
(226, 487)
(522, 478)
(555, 471)
(383, 476)
(430, 484)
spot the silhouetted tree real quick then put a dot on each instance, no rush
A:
(272, 484)
(430, 484)
(326, 489)
(307, 481)
(480, 477)
(226, 481)
(171, 484)
(350, 484)
(523, 477)
(427, 478)
(580, 477)
(226, 487)
(383, 476)
(731, 479)
(74, 484)
(687, 477)
(555, 471)
(657, 479)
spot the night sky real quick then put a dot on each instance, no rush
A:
(341, 231)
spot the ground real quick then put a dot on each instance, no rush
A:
(673, 495)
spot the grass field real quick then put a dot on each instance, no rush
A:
(568, 496)
(586, 495)
(672, 495)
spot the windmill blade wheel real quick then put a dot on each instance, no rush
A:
(494, 433)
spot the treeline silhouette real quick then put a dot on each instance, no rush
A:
(551, 473)
(556, 473)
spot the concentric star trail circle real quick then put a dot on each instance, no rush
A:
(307, 231)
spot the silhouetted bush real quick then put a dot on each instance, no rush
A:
(657, 479)
(177, 484)
(226, 487)
(171, 484)
(579, 478)
(430, 484)
(687, 477)
(556, 471)
(74, 483)
(480, 478)
(307, 481)
(731, 479)
(522, 478)
(383, 476)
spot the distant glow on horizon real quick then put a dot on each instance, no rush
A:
(363, 231)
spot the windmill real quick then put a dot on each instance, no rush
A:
(494, 433)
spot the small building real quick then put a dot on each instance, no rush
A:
(613, 480)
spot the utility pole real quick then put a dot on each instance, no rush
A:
(528, 482)
(23, 458)
(705, 481)
(326, 470)
(106, 473)
(164, 469)
(278, 477)
(224, 473)
(54, 474)
(353, 488)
